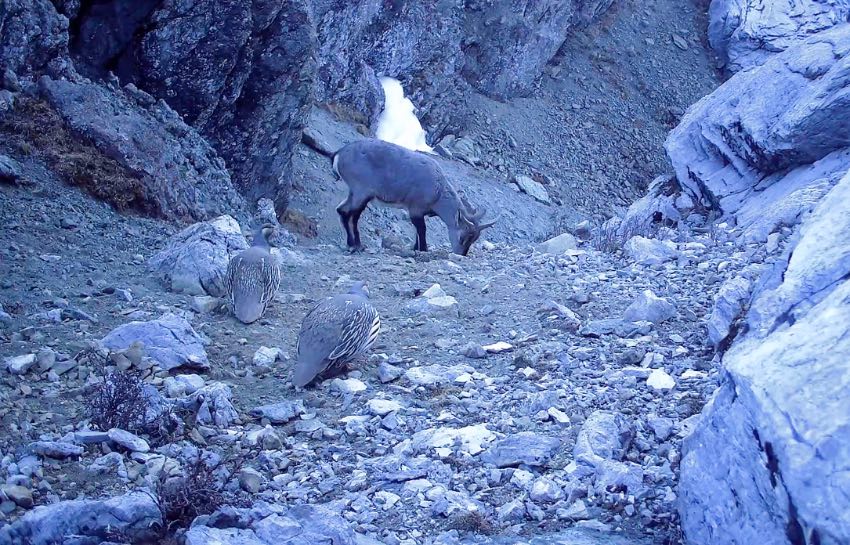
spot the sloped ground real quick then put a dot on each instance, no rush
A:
(592, 131)
(60, 250)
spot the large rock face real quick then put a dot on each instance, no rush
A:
(769, 461)
(498, 47)
(241, 73)
(180, 176)
(770, 141)
(745, 33)
(31, 35)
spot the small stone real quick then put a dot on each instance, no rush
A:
(21, 495)
(382, 407)
(388, 373)
(498, 347)
(576, 511)
(266, 357)
(55, 449)
(536, 190)
(19, 365)
(648, 307)
(90, 437)
(473, 351)
(434, 291)
(46, 358)
(679, 42)
(280, 413)
(348, 386)
(559, 244)
(660, 380)
(205, 304)
(250, 480)
(129, 441)
(546, 491)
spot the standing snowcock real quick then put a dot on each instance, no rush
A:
(394, 175)
(252, 278)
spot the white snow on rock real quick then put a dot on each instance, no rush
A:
(398, 122)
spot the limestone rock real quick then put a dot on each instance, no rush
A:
(169, 341)
(194, 261)
(772, 139)
(650, 251)
(132, 514)
(749, 471)
(527, 448)
(603, 436)
(650, 308)
(179, 175)
(746, 34)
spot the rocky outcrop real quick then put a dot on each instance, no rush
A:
(31, 35)
(746, 33)
(498, 48)
(132, 515)
(769, 459)
(771, 141)
(241, 73)
(179, 175)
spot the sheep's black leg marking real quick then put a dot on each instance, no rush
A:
(344, 217)
(355, 217)
(419, 223)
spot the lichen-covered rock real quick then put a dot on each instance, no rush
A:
(745, 33)
(740, 145)
(169, 341)
(134, 515)
(32, 34)
(768, 461)
(179, 174)
(194, 261)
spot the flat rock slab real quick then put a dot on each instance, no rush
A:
(527, 448)
(132, 514)
(280, 413)
(170, 341)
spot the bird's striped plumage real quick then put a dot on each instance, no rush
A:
(253, 277)
(335, 332)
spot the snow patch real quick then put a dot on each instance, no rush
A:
(397, 123)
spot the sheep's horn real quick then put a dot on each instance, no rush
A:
(490, 223)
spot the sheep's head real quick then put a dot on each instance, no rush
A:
(469, 226)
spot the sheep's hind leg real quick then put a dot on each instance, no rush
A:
(421, 244)
(355, 217)
(345, 214)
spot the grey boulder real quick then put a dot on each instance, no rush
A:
(746, 33)
(650, 251)
(649, 307)
(169, 341)
(133, 514)
(194, 261)
(526, 448)
(603, 436)
(213, 405)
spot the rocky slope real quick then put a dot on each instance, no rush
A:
(676, 376)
